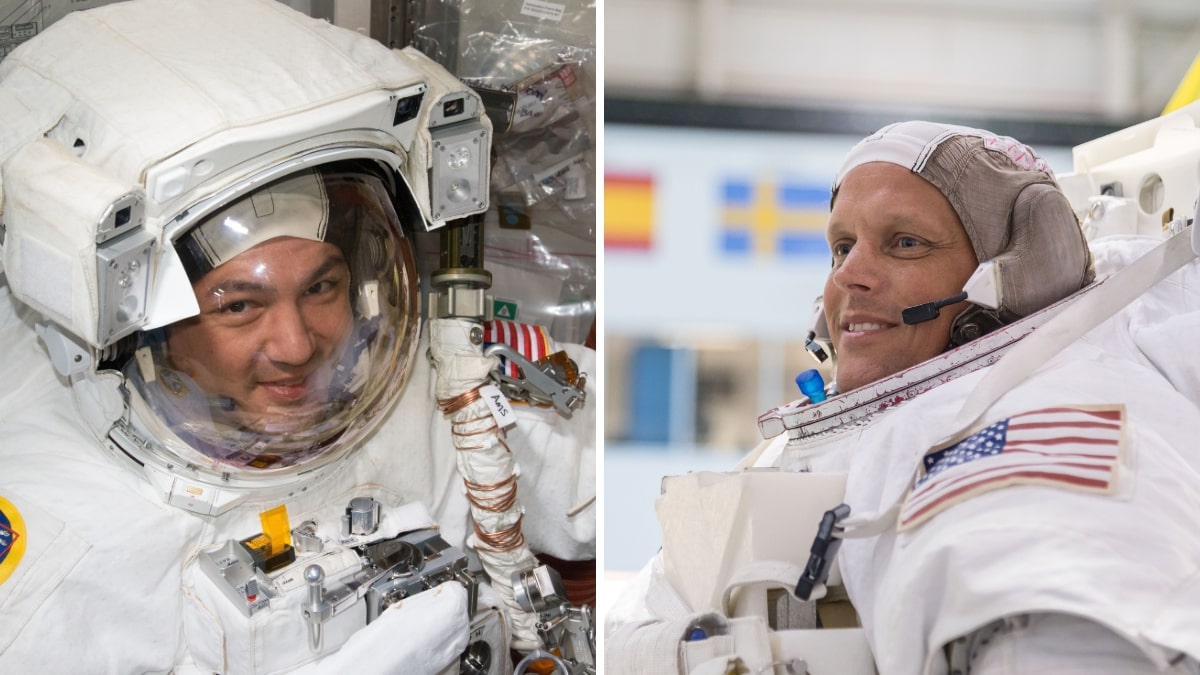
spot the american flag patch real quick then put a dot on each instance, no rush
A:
(532, 342)
(1071, 447)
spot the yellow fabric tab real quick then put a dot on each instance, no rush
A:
(275, 525)
(259, 543)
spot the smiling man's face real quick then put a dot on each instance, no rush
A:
(896, 242)
(272, 322)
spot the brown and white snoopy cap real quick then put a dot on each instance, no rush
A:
(1007, 199)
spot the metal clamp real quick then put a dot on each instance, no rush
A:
(538, 383)
(567, 631)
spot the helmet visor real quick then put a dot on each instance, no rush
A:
(308, 320)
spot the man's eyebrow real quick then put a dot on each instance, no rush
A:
(834, 230)
(332, 261)
(240, 286)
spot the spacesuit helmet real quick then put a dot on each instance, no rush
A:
(308, 319)
(213, 239)
(1008, 201)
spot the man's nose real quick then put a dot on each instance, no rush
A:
(860, 270)
(291, 340)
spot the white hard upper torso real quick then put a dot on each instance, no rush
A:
(107, 573)
(1129, 558)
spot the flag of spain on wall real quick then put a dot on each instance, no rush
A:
(773, 218)
(628, 211)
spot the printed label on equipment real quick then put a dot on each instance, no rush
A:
(543, 10)
(504, 309)
(498, 403)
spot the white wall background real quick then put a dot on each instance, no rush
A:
(1111, 59)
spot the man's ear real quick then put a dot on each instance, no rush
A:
(1047, 258)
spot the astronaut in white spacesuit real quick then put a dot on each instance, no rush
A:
(1028, 517)
(227, 444)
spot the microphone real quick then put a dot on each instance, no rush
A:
(930, 310)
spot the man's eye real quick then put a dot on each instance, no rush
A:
(236, 307)
(841, 249)
(908, 242)
(321, 287)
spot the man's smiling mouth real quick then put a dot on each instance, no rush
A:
(859, 327)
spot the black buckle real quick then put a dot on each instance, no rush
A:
(825, 546)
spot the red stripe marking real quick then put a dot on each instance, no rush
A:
(1054, 477)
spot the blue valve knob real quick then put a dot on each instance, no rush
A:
(811, 385)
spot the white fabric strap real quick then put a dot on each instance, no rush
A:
(1072, 323)
(746, 648)
(870, 524)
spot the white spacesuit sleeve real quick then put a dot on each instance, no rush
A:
(639, 638)
(648, 596)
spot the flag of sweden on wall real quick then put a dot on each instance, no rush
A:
(771, 218)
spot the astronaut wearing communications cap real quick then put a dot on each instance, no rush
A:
(997, 473)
